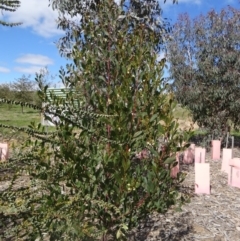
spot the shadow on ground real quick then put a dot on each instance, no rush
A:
(164, 228)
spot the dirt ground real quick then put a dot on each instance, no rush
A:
(214, 217)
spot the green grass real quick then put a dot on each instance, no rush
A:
(235, 133)
(12, 115)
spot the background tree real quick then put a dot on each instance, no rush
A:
(23, 89)
(10, 6)
(205, 68)
(87, 182)
(45, 79)
(6, 92)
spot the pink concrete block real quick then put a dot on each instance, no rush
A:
(3, 151)
(200, 155)
(235, 162)
(175, 170)
(188, 156)
(234, 177)
(216, 148)
(226, 157)
(202, 178)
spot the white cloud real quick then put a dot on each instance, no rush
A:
(35, 59)
(37, 15)
(117, 1)
(4, 70)
(35, 62)
(161, 56)
(29, 70)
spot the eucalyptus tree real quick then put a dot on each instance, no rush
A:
(9, 6)
(89, 181)
(205, 68)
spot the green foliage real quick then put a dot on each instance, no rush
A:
(204, 57)
(45, 80)
(85, 181)
(23, 89)
(5, 91)
(11, 115)
(10, 6)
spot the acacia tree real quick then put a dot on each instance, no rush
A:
(87, 181)
(205, 68)
(10, 6)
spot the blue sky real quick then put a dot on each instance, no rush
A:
(30, 47)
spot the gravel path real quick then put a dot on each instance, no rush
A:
(214, 217)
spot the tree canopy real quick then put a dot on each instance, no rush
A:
(23, 89)
(9, 6)
(205, 67)
(108, 163)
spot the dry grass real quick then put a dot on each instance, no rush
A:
(184, 118)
